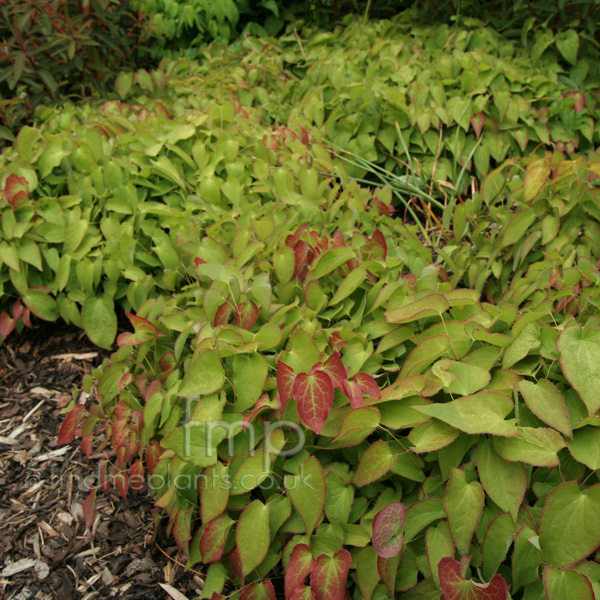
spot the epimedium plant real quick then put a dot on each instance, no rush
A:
(321, 405)
(427, 441)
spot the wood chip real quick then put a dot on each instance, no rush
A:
(75, 356)
(176, 595)
(39, 567)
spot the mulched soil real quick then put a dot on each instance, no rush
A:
(46, 552)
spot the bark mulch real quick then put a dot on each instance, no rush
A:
(46, 552)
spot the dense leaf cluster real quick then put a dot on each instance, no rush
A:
(321, 402)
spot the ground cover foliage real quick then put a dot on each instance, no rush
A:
(386, 237)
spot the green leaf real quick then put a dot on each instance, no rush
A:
(432, 435)
(498, 539)
(52, 156)
(252, 472)
(536, 177)
(567, 585)
(123, 84)
(376, 461)
(9, 255)
(249, 376)
(570, 528)
(535, 446)
(41, 305)
(579, 349)
(252, 536)
(367, 575)
(567, 43)
(350, 283)
(307, 491)
(339, 498)
(504, 482)
(214, 492)
(302, 354)
(527, 558)
(439, 544)
(356, 426)
(463, 503)
(547, 404)
(100, 320)
(420, 514)
(330, 260)
(196, 442)
(205, 375)
(517, 227)
(424, 354)
(432, 304)
(483, 412)
(26, 140)
(585, 446)
(464, 378)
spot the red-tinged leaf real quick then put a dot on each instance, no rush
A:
(293, 239)
(378, 239)
(314, 395)
(477, 122)
(27, 318)
(302, 592)
(579, 104)
(217, 596)
(285, 383)
(69, 425)
(104, 481)
(153, 452)
(300, 257)
(386, 210)
(144, 331)
(299, 568)
(375, 462)
(236, 564)
(7, 324)
(334, 367)
(213, 539)
(125, 380)
(367, 384)
(262, 404)
(246, 314)
(388, 536)
(153, 388)
(199, 261)
(328, 579)
(122, 484)
(222, 315)
(16, 191)
(86, 446)
(18, 309)
(259, 591)
(354, 393)
(304, 137)
(89, 509)
(456, 587)
(388, 569)
(167, 361)
(142, 325)
(338, 239)
(337, 342)
(136, 476)
(182, 528)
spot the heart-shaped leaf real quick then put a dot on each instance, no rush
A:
(456, 587)
(314, 395)
(387, 530)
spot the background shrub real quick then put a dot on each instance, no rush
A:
(62, 49)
